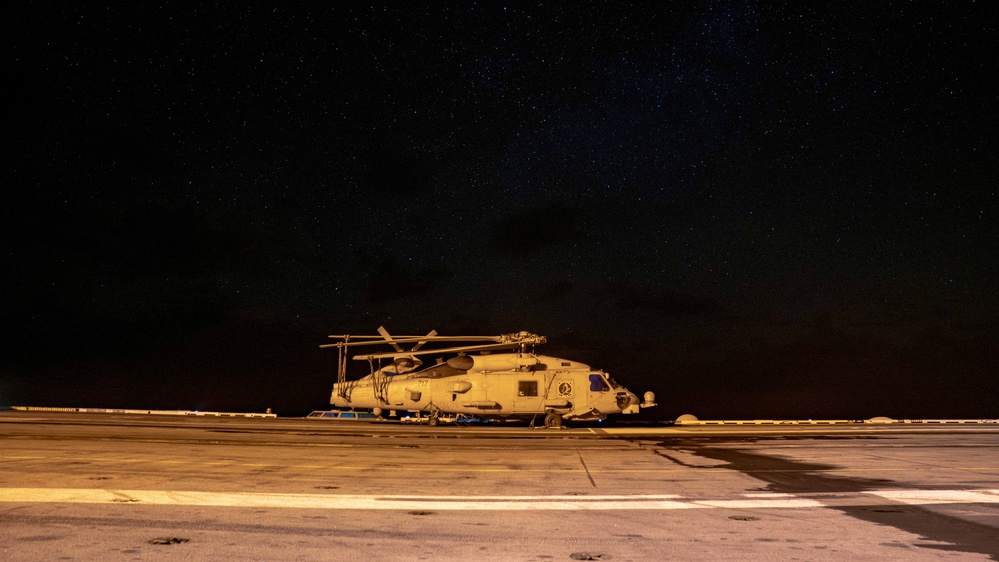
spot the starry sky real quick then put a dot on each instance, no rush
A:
(755, 210)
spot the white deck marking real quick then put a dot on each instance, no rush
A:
(928, 497)
(483, 503)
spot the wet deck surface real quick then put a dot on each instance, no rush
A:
(99, 486)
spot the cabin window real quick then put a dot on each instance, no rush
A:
(527, 388)
(597, 383)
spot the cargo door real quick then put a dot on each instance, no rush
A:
(528, 393)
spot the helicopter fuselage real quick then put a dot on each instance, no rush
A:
(499, 385)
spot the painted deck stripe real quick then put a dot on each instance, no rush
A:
(460, 503)
(928, 497)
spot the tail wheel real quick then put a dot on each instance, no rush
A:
(553, 420)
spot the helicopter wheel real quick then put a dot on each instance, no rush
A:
(433, 421)
(553, 420)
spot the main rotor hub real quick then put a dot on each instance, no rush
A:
(523, 338)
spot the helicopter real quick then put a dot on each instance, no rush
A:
(487, 377)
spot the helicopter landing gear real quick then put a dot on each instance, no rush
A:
(553, 421)
(434, 419)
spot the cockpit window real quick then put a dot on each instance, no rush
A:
(597, 383)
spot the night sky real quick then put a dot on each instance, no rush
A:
(754, 211)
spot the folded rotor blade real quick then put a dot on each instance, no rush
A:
(388, 338)
(408, 339)
(420, 343)
(486, 347)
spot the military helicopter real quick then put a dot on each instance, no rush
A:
(503, 378)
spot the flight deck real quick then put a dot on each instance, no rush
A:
(110, 486)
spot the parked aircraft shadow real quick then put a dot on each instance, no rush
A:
(788, 476)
